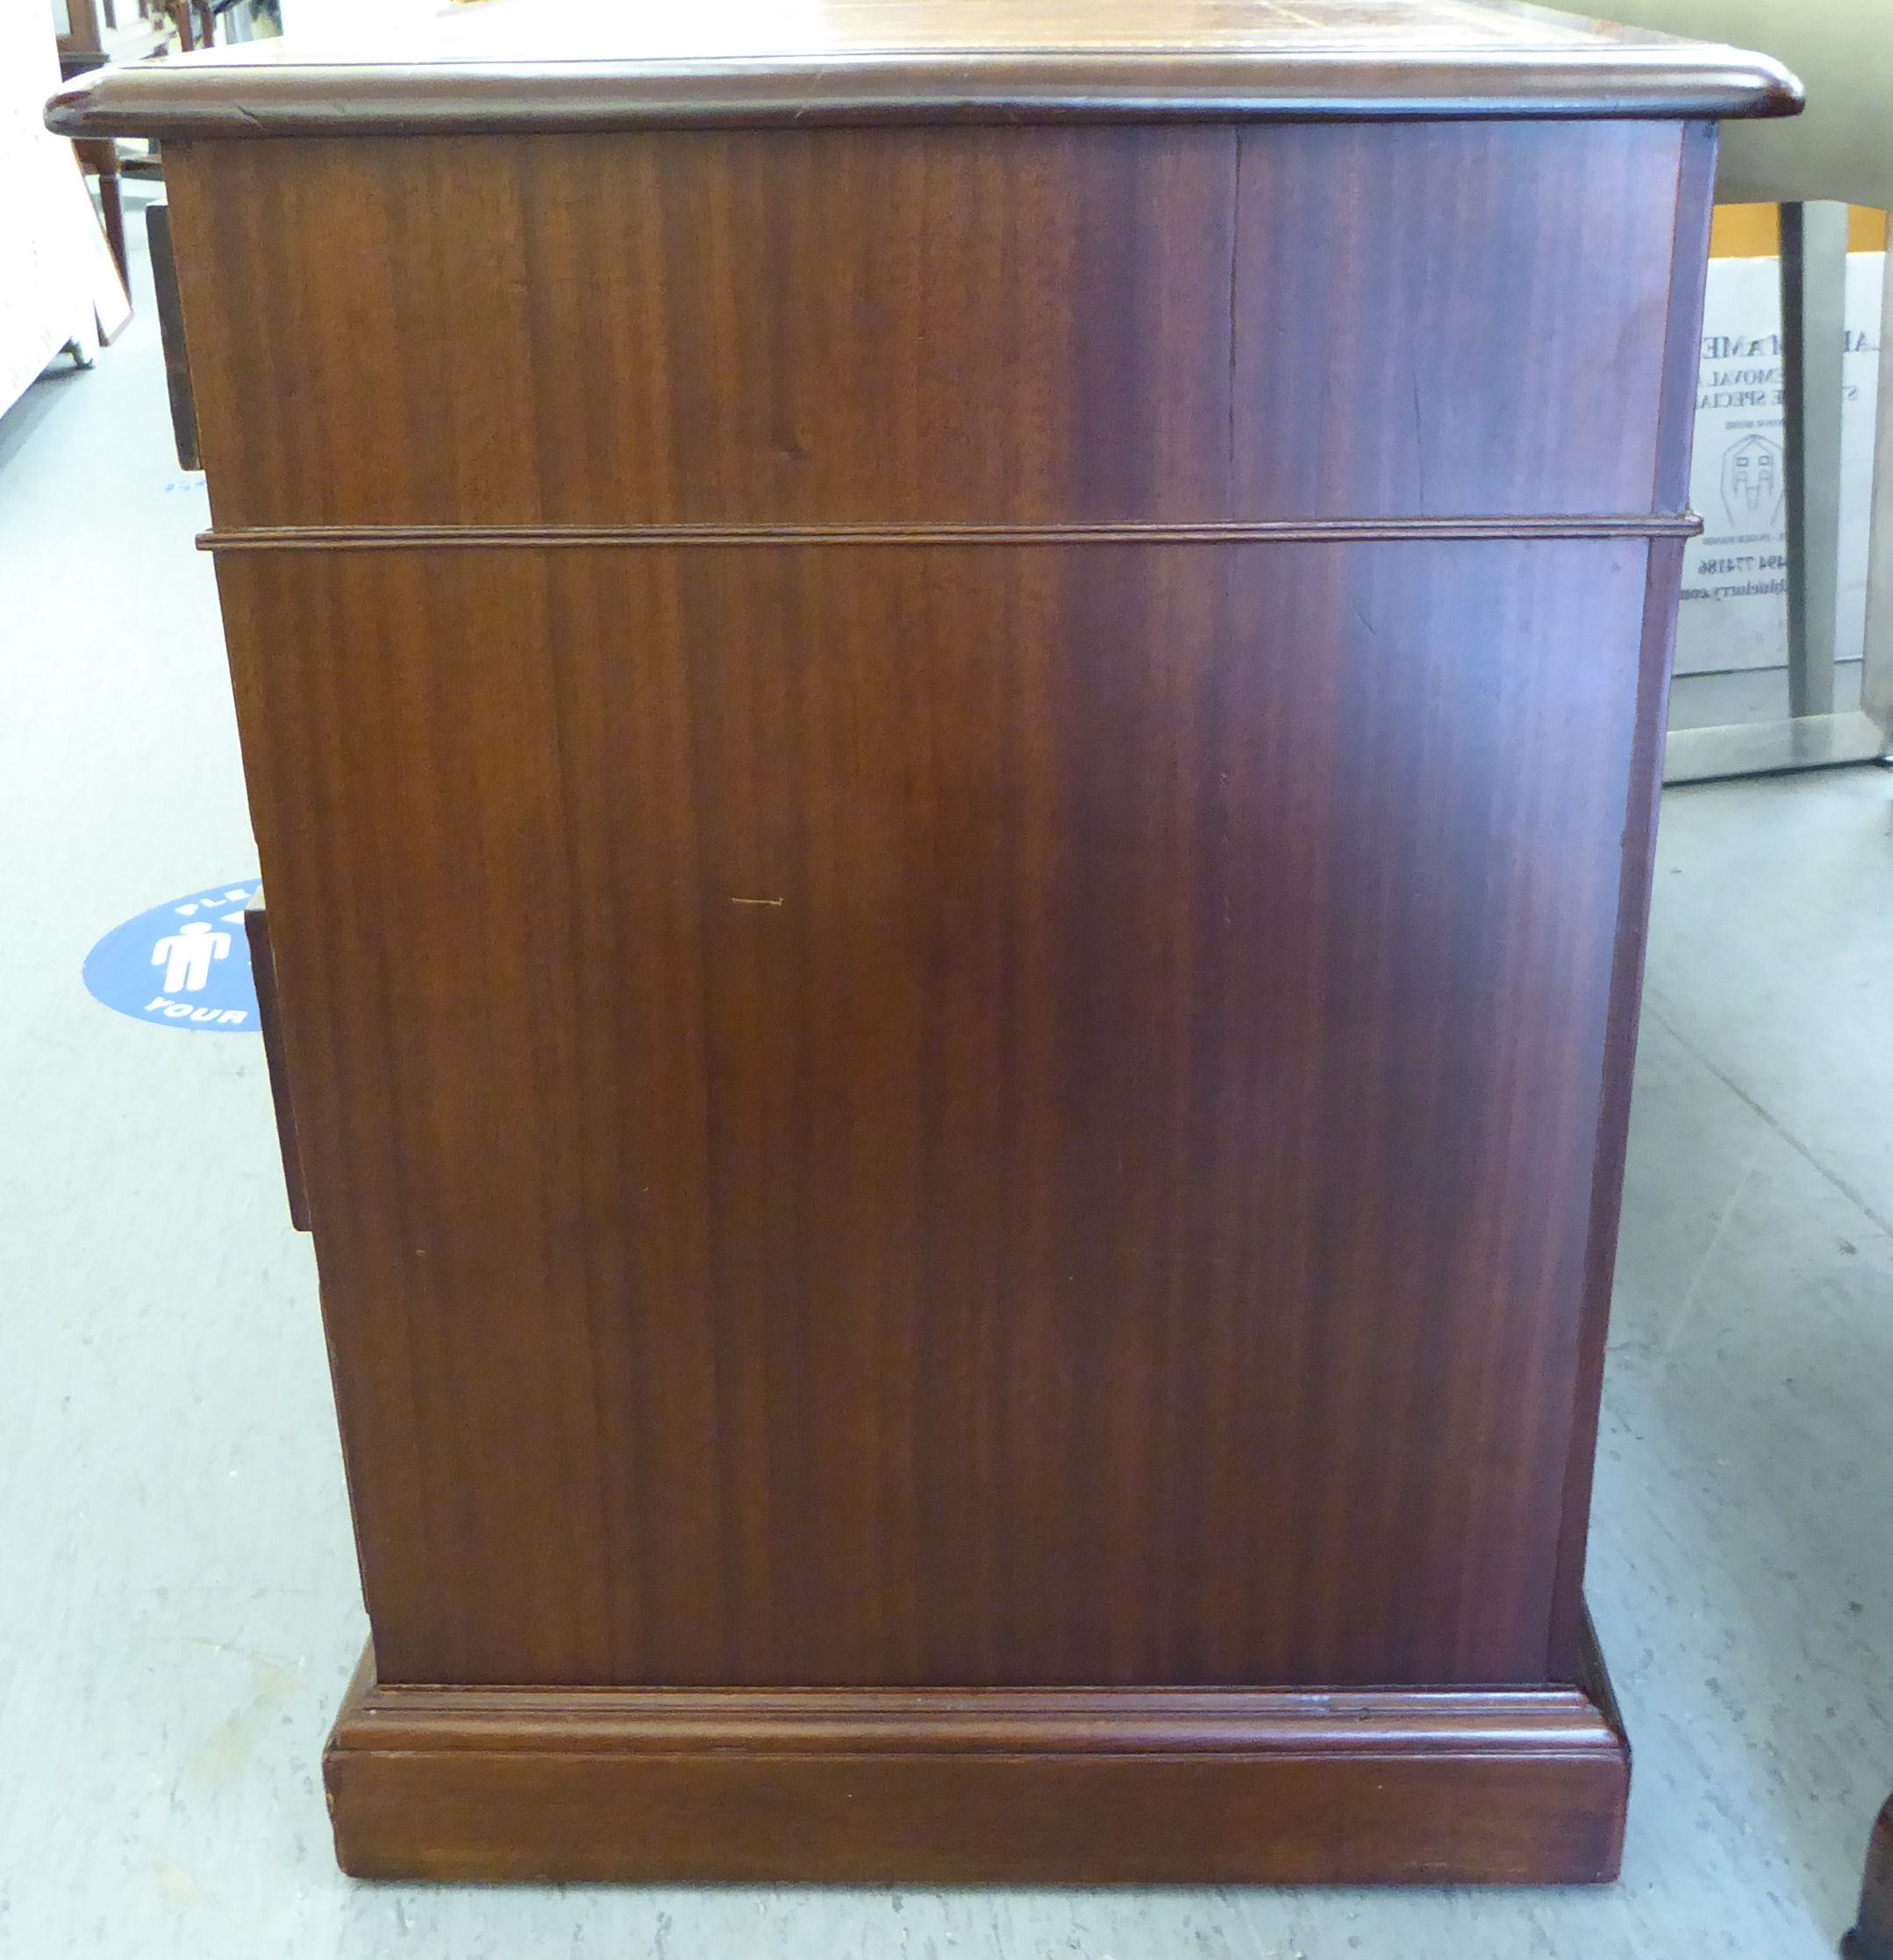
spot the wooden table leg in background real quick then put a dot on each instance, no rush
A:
(100, 159)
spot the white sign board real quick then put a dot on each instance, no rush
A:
(1734, 612)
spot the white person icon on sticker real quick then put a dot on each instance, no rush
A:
(190, 951)
(205, 965)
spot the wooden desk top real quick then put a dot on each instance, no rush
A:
(518, 65)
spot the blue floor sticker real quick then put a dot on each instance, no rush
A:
(185, 964)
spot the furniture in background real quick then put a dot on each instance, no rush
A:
(1840, 152)
(59, 288)
(91, 36)
(92, 32)
(956, 927)
(101, 160)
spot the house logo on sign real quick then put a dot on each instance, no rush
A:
(184, 964)
(1752, 483)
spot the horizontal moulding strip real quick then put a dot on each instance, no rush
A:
(538, 537)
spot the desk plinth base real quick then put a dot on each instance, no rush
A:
(967, 1786)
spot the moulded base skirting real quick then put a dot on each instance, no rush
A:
(969, 1786)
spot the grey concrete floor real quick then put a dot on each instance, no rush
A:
(178, 1607)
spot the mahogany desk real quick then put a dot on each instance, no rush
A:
(952, 709)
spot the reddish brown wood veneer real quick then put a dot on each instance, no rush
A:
(954, 734)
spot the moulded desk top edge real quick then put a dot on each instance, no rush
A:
(1586, 73)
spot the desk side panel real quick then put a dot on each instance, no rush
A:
(1032, 325)
(974, 1114)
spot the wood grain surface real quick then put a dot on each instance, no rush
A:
(932, 1115)
(1170, 326)
(957, 823)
